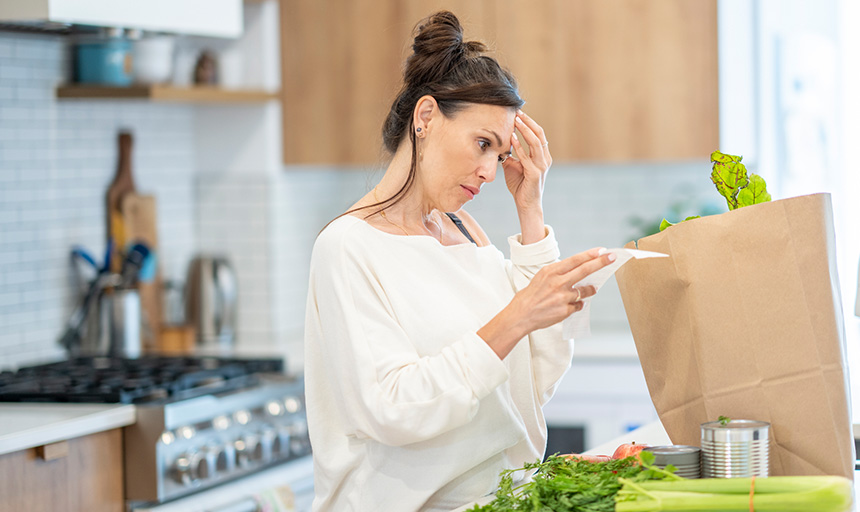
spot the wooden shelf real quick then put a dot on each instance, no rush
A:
(167, 93)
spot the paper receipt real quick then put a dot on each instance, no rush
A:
(578, 325)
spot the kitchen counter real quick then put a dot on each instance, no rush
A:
(27, 425)
(655, 435)
(651, 434)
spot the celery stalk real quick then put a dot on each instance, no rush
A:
(783, 494)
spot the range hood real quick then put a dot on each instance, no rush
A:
(214, 18)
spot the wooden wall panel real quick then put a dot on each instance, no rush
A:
(617, 80)
(645, 80)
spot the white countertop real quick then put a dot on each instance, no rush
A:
(652, 434)
(27, 425)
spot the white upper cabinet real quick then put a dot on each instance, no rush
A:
(215, 18)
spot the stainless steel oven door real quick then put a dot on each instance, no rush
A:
(286, 487)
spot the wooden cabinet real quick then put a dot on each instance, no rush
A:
(610, 81)
(85, 473)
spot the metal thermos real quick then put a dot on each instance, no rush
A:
(212, 300)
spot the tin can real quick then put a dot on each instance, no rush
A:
(686, 459)
(737, 449)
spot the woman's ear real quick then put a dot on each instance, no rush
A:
(426, 109)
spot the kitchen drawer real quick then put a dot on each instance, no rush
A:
(81, 474)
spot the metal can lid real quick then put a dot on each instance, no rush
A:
(735, 430)
(675, 454)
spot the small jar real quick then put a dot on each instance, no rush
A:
(103, 59)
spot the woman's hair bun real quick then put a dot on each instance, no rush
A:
(437, 48)
(453, 72)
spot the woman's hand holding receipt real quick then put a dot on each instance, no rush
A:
(548, 299)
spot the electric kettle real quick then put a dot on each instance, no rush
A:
(211, 300)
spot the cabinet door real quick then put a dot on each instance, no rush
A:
(610, 81)
(87, 476)
(618, 80)
(341, 70)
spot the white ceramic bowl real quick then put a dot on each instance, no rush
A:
(152, 59)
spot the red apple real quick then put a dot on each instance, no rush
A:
(628, 450)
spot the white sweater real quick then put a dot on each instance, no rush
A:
(408, 408)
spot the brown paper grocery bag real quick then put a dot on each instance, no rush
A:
(744, 320)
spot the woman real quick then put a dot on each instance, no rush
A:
(428, 355)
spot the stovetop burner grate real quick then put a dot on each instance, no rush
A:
(123, 380)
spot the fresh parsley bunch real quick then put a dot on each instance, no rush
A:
(570, 485)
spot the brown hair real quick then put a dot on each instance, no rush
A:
(453, 72)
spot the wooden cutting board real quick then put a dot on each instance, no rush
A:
(122, 184)
(140, 224)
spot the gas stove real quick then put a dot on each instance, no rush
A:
(125, 380)
(201, 421)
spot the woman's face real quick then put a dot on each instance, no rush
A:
(462, 152)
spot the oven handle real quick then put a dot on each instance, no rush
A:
(243, 505)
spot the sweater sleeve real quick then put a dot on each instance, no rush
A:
(387, 391)
(550, 354)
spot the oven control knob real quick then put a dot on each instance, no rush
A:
(182, 470)
(299, 442)
(281, 443)
(203, 464)
(266, 446)
(225, 458)
(246, 449)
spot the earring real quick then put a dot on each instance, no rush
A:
(418, 130)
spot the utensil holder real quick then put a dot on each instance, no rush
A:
(120, 322)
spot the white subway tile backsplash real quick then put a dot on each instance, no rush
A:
(57, 159)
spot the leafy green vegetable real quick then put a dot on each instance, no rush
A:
(771, 494)
(729, 175)
(724, 420)
(665, 224)
(733, 183)
(573, 485)
(754, 193)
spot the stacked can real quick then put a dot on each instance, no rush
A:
(735, 449)
(686, 459)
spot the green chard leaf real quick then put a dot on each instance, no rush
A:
(729, 175)
(665, 224)
(754, 193)
(734, 183)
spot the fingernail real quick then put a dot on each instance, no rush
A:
(612, 257)
(519, 120)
